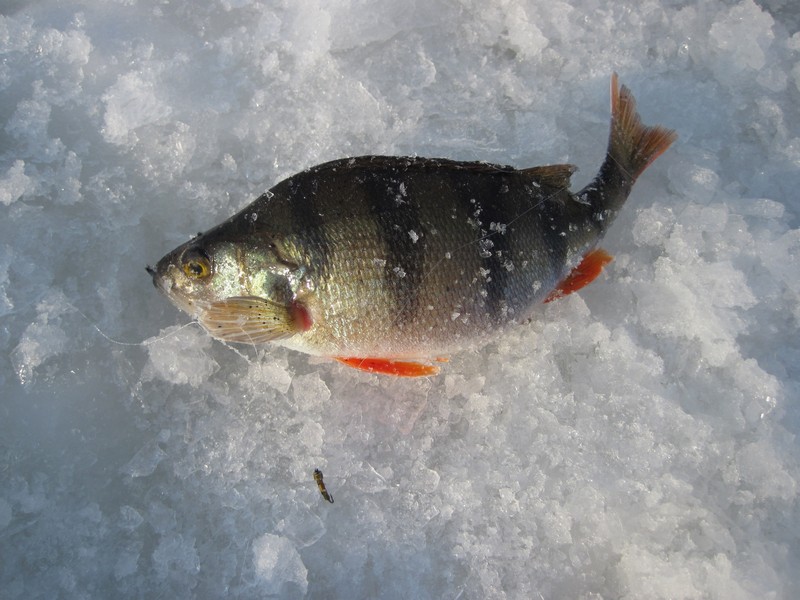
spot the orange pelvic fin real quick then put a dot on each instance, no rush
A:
(586, 272)
(385, 366)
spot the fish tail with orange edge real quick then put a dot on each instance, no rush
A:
(632, 147)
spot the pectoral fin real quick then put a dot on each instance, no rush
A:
(385, 366)
(587, 271)
(254, 320)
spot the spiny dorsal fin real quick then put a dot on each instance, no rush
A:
(556, 176)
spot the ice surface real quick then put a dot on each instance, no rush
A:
(15, 183)
(280, 566)
(638, 439)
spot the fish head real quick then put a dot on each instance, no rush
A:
(211, 268)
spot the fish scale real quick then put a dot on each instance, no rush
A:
(476, 284)
(387, 263)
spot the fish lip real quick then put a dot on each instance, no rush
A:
(160, 282)
(166, 285)
(153, 273)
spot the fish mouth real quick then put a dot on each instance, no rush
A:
(165, 284)
(152, 272)
(160, 282)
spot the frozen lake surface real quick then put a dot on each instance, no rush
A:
(636, 440)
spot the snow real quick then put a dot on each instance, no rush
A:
(638, 439)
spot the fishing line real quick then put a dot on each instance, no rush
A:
(97, 328)
(142, 343)
(249, 344)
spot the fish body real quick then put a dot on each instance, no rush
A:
(387, 263)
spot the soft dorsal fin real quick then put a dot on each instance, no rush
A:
(556, 176)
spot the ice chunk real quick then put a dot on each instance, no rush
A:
(637, 439)
(131, 102)
(694, 175)
(279, 566)
(175, 557)
(180, 356)
(29, 123)
(130, 518)
(6, 258)
(15, 183)
(764, 208)
(310, 391)
(161, 517)
(42, 339)
(523, 34)
(740, 40)
(145, 461)
(302, 527)
(761, 469)
(270, 371)
(5, 514)
(653, 224)
(29, 494)
(669, 307)
(309, 30)
(127, 562)
(796, 74)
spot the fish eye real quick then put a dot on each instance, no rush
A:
(196, 264)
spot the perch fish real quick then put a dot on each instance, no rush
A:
(390, 264)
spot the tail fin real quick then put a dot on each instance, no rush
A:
(632, 145)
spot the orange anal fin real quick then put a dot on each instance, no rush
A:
(385, 366)
(582, 275)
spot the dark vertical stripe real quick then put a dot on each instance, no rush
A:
(553, 230)
(306, 213)
(389, 199)
(491, 214)
(303, 191)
